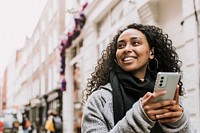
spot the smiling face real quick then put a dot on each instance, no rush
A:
(133, 52)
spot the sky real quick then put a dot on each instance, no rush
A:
(18, 19)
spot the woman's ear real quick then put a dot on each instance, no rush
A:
(152, 53)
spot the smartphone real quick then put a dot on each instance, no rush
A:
(166, 81)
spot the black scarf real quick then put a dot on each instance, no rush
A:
(127, 89)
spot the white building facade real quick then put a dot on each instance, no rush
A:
(34, 75)
(105, 17)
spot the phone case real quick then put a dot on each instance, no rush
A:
(166, 81)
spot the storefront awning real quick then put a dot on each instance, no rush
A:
(35, 102)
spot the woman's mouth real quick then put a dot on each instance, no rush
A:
(129, 59)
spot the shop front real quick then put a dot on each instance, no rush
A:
(54, 101)
(37, 109)
(34, 112)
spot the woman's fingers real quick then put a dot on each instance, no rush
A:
(146, 96)
(149, 97)
(169, 120)
(154, 109)
(176, 107)
(159, 105)
(152, 113)
(176, 96)
(174, 113)
(164, 111)
(169, 116)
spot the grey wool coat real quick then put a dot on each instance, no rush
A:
(98, 117)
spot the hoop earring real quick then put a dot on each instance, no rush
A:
(115, 61)
(153, 65)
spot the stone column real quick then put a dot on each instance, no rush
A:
(191, 60)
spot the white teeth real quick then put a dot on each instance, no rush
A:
(128, 58)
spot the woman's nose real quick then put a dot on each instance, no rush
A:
(128, 48)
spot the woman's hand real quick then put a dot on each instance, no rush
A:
(164, 111)
(175, 113)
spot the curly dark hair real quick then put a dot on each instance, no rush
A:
(164, 52)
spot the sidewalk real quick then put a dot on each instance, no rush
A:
(21, 130)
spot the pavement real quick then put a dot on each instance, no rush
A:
(21, 130)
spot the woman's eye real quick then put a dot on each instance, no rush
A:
(135, 43)
(120, 45)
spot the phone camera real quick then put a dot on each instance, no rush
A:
(160, 84)
(162, 77)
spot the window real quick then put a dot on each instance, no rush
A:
(55, 39)
(50, 44)
(102, 46)
(50, 14)
(116, 14)
(76, 50)
(36, 37)
(35, 62)
(35, 89)
(29, 71)
(29, 48)
(55, 6)
(43, 27)
(42, 80)
(55, 76)
(104, 25)
(43, 53)
(50, 87)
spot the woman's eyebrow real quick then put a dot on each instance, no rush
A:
(120, 41)
(132, 38)
(136, 37)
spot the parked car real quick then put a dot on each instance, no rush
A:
(1, 124)
(10, 124)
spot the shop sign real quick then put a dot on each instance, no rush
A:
(35, 102)
(52, 96)
(43, 102)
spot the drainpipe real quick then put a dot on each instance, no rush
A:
(68, 106)
(196, 40)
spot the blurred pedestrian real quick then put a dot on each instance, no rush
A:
(24, 127)
(57, 121)
(37, 124)
(26, 124)
(1, 126)
(49, 125)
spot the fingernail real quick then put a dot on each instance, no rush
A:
(157, 116)
(164, 92)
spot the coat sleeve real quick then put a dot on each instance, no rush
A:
(98, 117)
(183, 125)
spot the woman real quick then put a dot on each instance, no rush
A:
(49, 125)
(120, 92)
